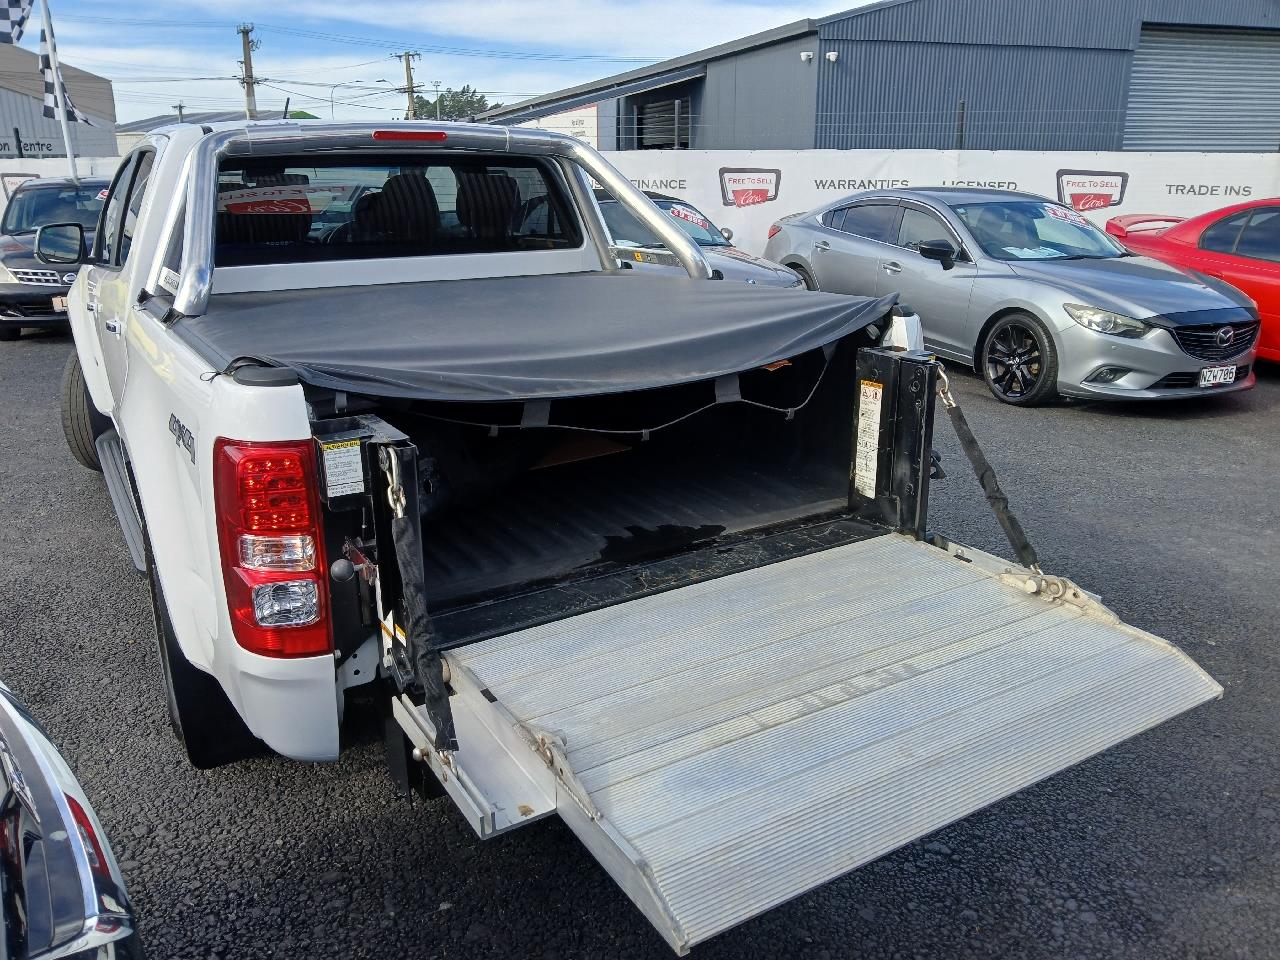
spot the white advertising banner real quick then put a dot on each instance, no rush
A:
(747, 190)
(582, 122)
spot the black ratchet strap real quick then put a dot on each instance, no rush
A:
(987, 477)
(406, 532)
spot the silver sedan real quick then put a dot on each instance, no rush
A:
(1038, 300)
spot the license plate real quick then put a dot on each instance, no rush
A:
(60, 304)
(1217, 376)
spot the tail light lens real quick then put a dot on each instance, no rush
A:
(272, 546)
(89, 838)
(774, 229)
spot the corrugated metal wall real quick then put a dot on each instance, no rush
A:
(908, 95)
(1033, 74)
(764, 99)
(1204, 90)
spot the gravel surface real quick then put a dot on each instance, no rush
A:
(1166, 846)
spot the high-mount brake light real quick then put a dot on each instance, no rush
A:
(431, 136)
(272, 546)
(774, 230)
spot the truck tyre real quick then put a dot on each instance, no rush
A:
(82, 424)
(1019, 361)
(203, 719)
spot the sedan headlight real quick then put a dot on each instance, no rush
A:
(1104, 321)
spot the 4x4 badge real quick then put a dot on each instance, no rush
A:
(182, 436)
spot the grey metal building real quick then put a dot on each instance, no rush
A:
(26, 132)
(977, 74)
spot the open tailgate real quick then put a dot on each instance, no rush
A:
(726, 746)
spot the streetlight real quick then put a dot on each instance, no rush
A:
(346, 83)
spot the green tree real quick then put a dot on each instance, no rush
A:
(454, 104)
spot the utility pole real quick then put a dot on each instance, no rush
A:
(248, 45)
(411, 112)
(436, 84)
(180, 106)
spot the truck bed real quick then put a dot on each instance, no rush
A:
(626, 509)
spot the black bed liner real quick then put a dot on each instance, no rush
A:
(525, 338)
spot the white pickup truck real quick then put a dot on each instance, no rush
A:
(379, 407)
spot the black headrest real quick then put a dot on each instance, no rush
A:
(405, 209)
(487, 202)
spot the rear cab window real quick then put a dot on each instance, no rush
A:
(291, 210)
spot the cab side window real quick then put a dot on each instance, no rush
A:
(120, 213)
(112, 212)
(918, 226)
(141, 179)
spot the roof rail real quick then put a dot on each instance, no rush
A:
(193, 209)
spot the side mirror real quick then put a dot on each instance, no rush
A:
(60, 243)
(940, 250)
(726, 233)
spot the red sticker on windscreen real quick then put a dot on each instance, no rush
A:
(689, 216)
(270, 206)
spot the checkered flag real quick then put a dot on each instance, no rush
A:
(51, 89)
(13, 19)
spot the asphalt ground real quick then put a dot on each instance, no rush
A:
(1167, 846)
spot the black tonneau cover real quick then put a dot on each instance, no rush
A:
(523, 337)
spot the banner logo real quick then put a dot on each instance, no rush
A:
(748, 186)
(1091, 189)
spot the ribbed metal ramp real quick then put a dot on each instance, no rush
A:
(724, 747)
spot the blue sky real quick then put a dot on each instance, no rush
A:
(159, 53)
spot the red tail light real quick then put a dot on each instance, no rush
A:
(433, 136)
(89, 837)
(272, 546)
(773, 230)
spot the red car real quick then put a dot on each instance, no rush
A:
(1239, 244)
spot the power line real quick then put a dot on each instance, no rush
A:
(439, 49)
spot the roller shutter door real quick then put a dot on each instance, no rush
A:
(1212, 90)
(662, 122)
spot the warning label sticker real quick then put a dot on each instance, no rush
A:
(343, 472)
(866, 458)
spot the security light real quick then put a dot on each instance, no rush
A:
(806, 56)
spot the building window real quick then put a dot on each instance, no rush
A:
(664, 125)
